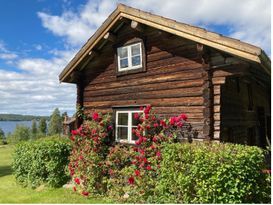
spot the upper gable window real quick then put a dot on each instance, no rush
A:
(130, 57)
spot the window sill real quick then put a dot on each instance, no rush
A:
(130, 71)
(125, 142)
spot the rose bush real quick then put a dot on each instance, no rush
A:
(152, 133)
(89, 148)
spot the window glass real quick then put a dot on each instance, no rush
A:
(134, 137)
(123, 52)
(135, 49)
(124, 63)
(135, 121)
(135, 60)
(123, 119)
(122, 133)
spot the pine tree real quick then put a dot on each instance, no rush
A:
(55, 123)
(42, 126)
(34, 129)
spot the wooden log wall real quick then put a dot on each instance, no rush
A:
(232, 117)
(172, 84)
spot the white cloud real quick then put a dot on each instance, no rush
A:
(248, 20)
(37, 90)
(38, 47)
(8, 56)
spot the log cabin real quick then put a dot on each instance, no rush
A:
(136, 58)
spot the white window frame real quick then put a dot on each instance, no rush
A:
(129, 126)
(129, 52)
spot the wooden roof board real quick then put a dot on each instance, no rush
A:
(200, 35)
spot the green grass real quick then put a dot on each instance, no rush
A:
(11, 192)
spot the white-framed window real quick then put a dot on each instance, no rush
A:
(130, 57)
(125, 123)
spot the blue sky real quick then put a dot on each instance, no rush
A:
(39, 37)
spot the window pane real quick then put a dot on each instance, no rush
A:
(135, 60)
(123, 52)
(134, 137)
(124, 63)
(122, 133)
(135, 118)
(135, 49)
(122, 118)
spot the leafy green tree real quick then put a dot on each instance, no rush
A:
(21, 133)
(42, 126)
(34, 129)
(55, 123)
(2, 137)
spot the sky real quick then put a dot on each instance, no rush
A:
(39, 37)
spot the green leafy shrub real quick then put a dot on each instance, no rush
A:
(118, 163)
(42, 161)
(212, 173)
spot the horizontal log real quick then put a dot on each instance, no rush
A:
(217, 89)
(216, 99)
(216, 108)
(218, 80)
(177, 76)
(217, 116)
(142, 88)
(179, 109)
(185, 101)
(179, 92)
(216, 135)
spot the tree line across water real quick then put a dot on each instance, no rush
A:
(39, 128)
(16, 117)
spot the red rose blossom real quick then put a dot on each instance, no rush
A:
(85, 193)
(77, 180)
(95, 116)
(131, 180)
(136, 116)
(184, 117)
(137, 172)
(74, 132)
(158, 154)
(149, 167)
(74, 188)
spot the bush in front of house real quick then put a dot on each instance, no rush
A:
(89, 149)
(43, 161)
(211, 173)
(158, 170)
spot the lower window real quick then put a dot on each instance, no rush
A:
(126, 121)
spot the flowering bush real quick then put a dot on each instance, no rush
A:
(135, 183)
(127, 172)
(89, 149)
(118, 163)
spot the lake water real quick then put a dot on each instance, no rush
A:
(9, 126)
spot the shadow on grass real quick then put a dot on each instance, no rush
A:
(5, 170)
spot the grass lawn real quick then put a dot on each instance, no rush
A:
(10, 192)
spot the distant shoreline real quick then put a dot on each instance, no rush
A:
(17, 117)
